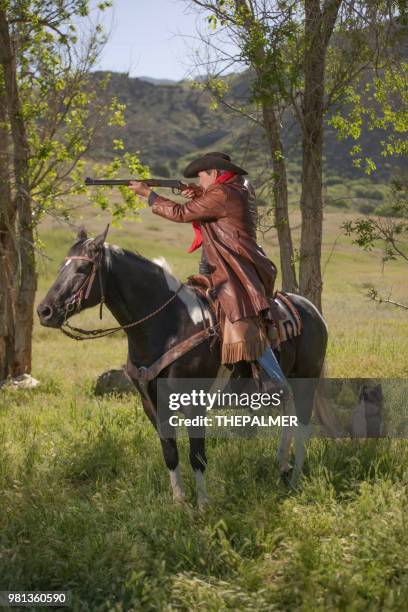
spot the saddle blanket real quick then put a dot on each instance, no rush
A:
(286, 322)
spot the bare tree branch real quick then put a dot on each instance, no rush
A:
(373, 295)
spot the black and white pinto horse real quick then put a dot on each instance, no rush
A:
(132, 288)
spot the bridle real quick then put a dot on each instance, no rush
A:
(141, 374)
(75, 302)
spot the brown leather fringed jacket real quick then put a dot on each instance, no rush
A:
(242, 274)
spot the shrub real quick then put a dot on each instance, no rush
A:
(388, 210)
(366, 208)
(339, 203)
(161, 170)
(370, 194)
(333, 180)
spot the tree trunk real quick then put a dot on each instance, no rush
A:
(280, 189)
(24, 280)
(311, 202)
(319, 26)
(280, 182)
(7, 249)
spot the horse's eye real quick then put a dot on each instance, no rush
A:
(82, 268)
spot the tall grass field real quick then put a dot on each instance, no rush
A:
(85, 501)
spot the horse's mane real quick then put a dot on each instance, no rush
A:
(158, 262)
(112, 249)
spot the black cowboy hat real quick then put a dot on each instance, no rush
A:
(210, 161)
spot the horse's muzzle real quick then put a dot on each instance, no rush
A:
(48, 317)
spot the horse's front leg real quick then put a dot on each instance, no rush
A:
(198, 461)
(171, 459)
(170, 452)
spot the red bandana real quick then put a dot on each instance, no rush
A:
(198, 237)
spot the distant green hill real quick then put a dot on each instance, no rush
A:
(169, 123)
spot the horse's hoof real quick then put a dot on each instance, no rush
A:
(294, 481)
(203, 504)
(180, 501)
(286, 477)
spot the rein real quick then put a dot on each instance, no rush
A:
(141, 375)
(75, 303)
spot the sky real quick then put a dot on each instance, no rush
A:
(152, 38)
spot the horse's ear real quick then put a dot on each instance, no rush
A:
(98, 242)
(82, 235)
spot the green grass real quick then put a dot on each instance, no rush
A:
(86, 507)
(85, 502)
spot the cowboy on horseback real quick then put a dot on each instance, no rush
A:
(223, 213)
(136, 291)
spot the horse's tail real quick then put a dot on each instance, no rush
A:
(325, 417)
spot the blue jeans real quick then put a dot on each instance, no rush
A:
(271, 366)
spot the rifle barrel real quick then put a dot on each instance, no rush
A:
(172, 183)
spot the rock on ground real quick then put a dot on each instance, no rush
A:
(25, 381)
(114, 381)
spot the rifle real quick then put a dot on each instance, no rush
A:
(173, 184)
